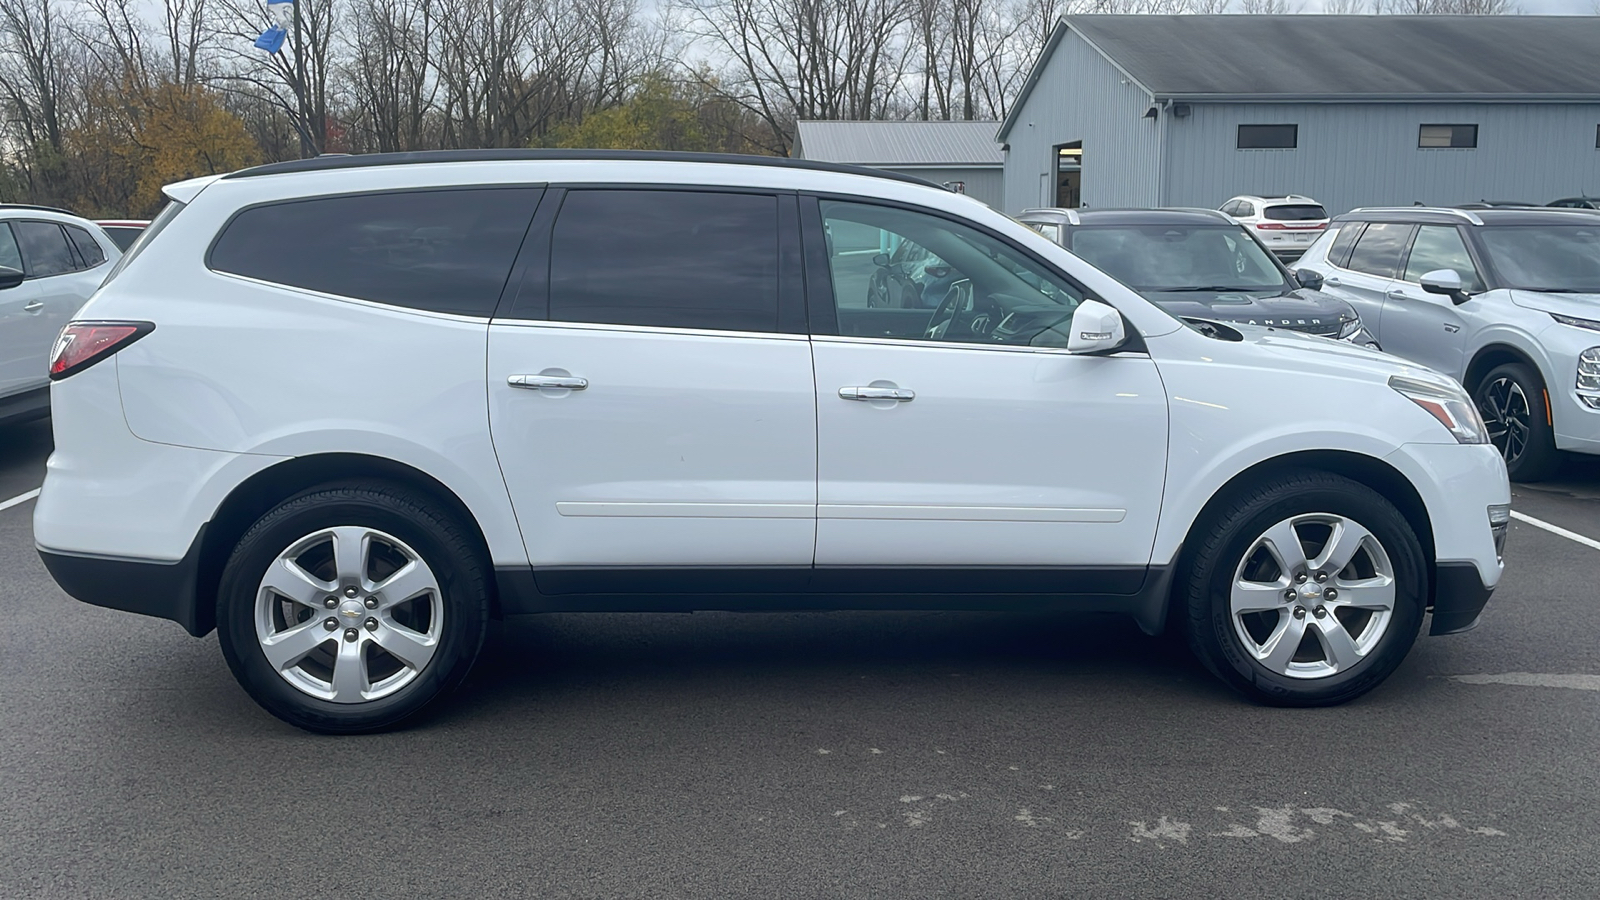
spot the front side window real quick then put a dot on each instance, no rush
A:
(1268, 137)
(1168, 259)
(1552, 258)
(666, 259)
(1378, 250)
(10, 256)
(1461, 137)
(1441, 247)
(447, 251)
(44, 248)
(939, 280)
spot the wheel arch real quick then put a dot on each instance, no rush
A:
(253, 497)
(1496, 354)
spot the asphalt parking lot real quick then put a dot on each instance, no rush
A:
(861, 754)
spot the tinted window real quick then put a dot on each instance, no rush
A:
(1268, 137)
(44, 247)
(1459, 136)
(122, 235)
(1296, 212)
(1343, 241)
(1378, 250)
(1440, 247)
(88, 249)
(10, 256)
(1544, 257)
(445, 251)
(670, 259)
(1157, 258)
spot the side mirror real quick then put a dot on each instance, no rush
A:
(1446, 282)
(10, 278)
(1096, 328)
(881, 260)
(1311, 281)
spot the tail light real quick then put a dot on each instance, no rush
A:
(1272, 226)
(82, 344)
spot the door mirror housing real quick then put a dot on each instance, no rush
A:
(1446, 282)
(881, 260)
(1311, 281)
(10, 278)
(1096, 328)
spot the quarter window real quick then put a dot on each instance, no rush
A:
(666, 259)
(1268, 137)
(10, 256)
(1463, 137)
(44, 248)
(446, 251)
(1378, 250)
(88, 249)
(1440, 247)
(1339, 252)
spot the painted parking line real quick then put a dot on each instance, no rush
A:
(24, 498)
(1532, 679)
(1521, 517)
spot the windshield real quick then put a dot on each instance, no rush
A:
(1158, 258)
(1545, 257)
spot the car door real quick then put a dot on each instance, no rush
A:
(976, 440)
(1365, 278)
(651, 396)
(1423, 327)
(35, 312)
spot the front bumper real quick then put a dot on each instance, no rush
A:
(1459, 596)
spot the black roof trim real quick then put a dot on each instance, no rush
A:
(37, 208)
(425, 157)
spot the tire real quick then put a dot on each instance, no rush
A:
(1234, 547)
(1515, 406)
(878, 291)
(423, 591)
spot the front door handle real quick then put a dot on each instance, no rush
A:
(1333, 282)
(35, 306)
(902, 395)
(1397, 295)
(567, 382)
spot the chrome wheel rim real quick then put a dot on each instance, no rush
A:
(1506, 412)
(349, 614)
(1312, 596)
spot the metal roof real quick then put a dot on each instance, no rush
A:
(899, 143)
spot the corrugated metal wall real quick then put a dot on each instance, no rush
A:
(1353, 155)
(983, 184)
(1080, 96)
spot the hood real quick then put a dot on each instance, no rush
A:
(1299, 310)
(1298, 352)
(1577, 306)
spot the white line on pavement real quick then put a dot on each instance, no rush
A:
(24, 498)
(1553, 529)
(1530, 679)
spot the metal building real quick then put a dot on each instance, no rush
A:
(962, 155)
(1351, 110)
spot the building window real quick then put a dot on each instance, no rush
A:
(1268, 137)
(1597, 137)
(1460, 137)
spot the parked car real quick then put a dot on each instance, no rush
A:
(1497, 204)
(1576, 203)
(1287, 225)
(124, 231)
(1198, 264)
(50, 262)
(1507, 301)
(910, 277)
(480, 383)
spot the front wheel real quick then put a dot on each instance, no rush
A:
(349, 608)
(1306, 590)
(1514, 405)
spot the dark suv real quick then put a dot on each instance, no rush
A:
(1199, 264)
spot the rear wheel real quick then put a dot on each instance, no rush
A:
(1514, 405)
(1307, 590)
(348, 609)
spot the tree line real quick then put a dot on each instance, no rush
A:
(104, 101)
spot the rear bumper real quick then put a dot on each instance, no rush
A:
(1459, 596)
(159, 588)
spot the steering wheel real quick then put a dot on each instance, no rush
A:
(959, 294)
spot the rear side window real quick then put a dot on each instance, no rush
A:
(10, 256)
(447, 251)
(1378, 250)
(1299, 212)
(44, 248)
(88, 249)
(1339, 253)
(666, 259)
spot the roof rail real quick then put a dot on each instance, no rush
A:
(420, 157)
(1411, 210)
(37, 208)
(1071, 214)
(1215, 213)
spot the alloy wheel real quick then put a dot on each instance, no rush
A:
(1505, 411)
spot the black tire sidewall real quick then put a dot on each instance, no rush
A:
(1539, 459)
(431, 535)
(1211, 582)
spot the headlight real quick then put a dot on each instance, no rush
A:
(1449, 404)
(1348, 330)
(1589, 324)
(1589, 377)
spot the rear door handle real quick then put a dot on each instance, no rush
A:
(903, 395)
(569, 382)
(35, 306)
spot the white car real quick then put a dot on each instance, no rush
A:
(50, 262)
(1287, 224)
(1506, 301)
(345, 410)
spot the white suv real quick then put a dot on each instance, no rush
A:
(345, 410)
(1507, 301)
(50, 262)
(1287, 224)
